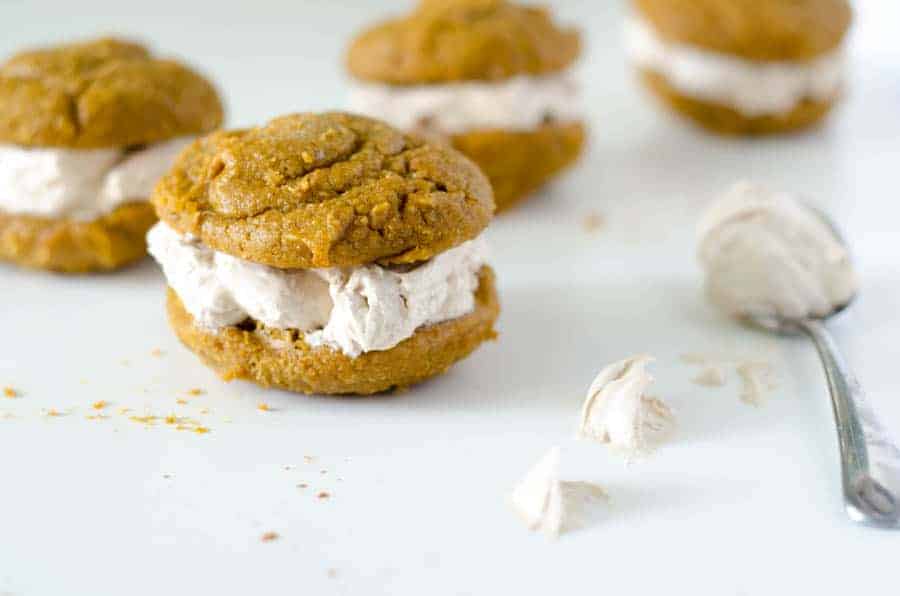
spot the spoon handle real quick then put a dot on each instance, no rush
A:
(860, 436)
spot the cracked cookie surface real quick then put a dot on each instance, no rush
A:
(324, 190)
(766, 30)
(101, 93)
(462, 40)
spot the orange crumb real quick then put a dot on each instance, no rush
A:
(269, 536)
(124, 410)
(181, 401)
(264, 407)
(593, 222)
(196, 391)
(171, 419)
(52, 412)
(156, 352)
(99, 405)
(10, 392)
(201, 430)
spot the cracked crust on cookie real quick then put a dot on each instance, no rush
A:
(324, 190)
(101, 93)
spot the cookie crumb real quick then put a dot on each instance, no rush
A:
(181, 401)
(308, 459)
(156, 352)
(332, 573)
(593, 222)
(204, 411)
(323, 495)
(10, 392)
(269, 537)
(99, 404)
(303, 485)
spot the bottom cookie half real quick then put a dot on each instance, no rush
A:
(725, 120)
(519, 163)
(68, 246)
(281, 358)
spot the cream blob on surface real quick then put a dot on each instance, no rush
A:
(752, 88)
(767, 254)
(618, 411)
(80, 184)
(538, 497)
(518, 103)
(353, 310)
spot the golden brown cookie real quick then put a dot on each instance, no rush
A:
(324, 190)
(519, 163)
(765, 30)
(102, 93)
(725, 120)
(462, 40)
(281, 358)
(69, 246)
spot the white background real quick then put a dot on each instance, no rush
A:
(743, 500)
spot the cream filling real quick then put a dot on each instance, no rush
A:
(353, 310)
(80, 184)
(753, 88)
(767, 254)
(617, 410)
(518, 103)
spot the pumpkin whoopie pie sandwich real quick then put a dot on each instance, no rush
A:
(742, 66)
(492, 77)
(86, 129)
(326, 253)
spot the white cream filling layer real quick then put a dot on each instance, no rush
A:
(767, 254)
(752, 88)
(352, 310)
(80, 184)
(518, 103)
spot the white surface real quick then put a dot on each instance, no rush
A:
(742, 501)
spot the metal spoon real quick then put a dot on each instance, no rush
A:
(861, 436)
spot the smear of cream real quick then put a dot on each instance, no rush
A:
(756, 375)
(618, 412)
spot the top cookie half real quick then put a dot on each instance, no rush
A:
(445, 41)
(763, 30)
(102, 93)
(324, 190)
